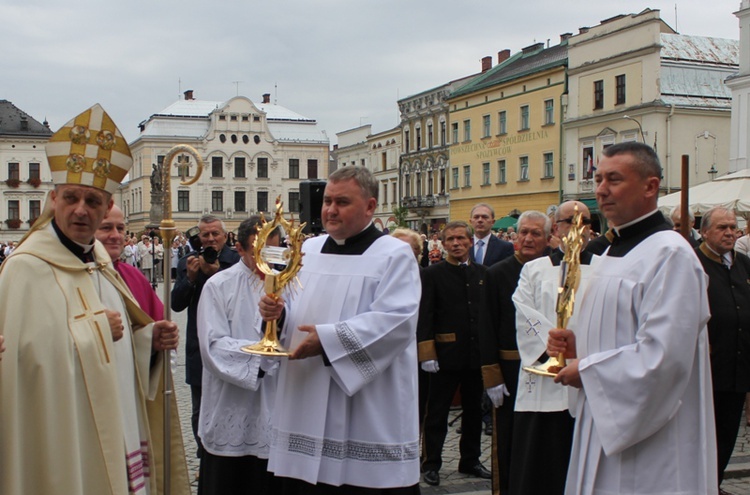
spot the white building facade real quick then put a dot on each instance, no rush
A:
(253, 153)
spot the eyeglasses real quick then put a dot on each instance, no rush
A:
(584, 221)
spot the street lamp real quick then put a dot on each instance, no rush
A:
(712, 172)
(628, 117)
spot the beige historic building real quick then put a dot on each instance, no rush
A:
(425, 161)
(25, 178)
(380, 154)
(739, 84)
(505, 134)
(253, 153)
(632, 77)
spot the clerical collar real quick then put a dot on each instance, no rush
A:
(84, 252)
(356, 244)
(629, 235)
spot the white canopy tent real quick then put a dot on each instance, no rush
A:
(731, 191)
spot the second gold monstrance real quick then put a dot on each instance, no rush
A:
(570, 278)
(267, 258)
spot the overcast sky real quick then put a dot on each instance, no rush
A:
(341, 62)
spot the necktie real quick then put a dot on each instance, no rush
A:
(727, 260)
(479, 256)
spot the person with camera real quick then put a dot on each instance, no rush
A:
(211, 254)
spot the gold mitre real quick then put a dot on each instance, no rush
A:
(89, 151)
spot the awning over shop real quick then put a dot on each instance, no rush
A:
(504, 223)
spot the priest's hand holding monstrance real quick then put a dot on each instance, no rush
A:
(570, 278)
(267, 260)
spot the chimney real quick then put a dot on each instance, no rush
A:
(189, 95)
(24, 123)
(565, 37)
(503, 55)
(486, 63)
(583, 30)
(266, 97)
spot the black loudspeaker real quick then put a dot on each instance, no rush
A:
(311, 202)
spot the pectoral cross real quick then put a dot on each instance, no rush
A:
(533, 324)
(88, 314)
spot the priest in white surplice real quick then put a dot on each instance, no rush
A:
(345, 419)
(639, 354)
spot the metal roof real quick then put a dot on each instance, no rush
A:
(700, 49)
(11, 118)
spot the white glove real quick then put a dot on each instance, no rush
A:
(269, 365)
(430, 366)
(497, 394)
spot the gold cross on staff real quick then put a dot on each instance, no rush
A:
(88, 314)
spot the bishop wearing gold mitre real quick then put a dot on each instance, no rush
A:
(80, 399)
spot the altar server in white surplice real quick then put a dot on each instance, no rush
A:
(238, 388)
(542, 423)
(345, 419)
(644, 417)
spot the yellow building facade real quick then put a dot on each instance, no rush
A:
(505, 130)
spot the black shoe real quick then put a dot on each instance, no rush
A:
(431, 478)
(488, 429)
(477, 470)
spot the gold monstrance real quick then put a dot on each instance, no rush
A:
(266, 259)
(570, 278)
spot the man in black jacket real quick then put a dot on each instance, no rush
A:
(192, 273)
(729, 301)
(451, 313)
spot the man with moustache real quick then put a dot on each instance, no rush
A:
(729, 300)
(500, 357)
(451, 314)
(639, 354)
(345, 418)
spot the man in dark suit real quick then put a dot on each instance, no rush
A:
(729, 301)
(451, 314)
(488, 249)
(192, 273)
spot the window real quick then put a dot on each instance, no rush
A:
(312, 169)
(394, 191)
(406, 140)
(14, 171)
(588, 163)
(486, 126)
(430, 183)
(35, 209)
(239, 167)
(524, 168)
(454, 132)
(419, 183)
(216, 166)
(14, 210)
(442, 134)
(34, 172)
(418, 132)
(385, 193)
(549, 112)
(486, 174)
(442, 181)
(217, 200)
(467, 130)
(362, 162)
(293, 204)
(294, 168)
(524, 117)
(263, 201)
(407, 185)
(455, 177)
(467, 175)
(240, 202)
(263, 168)
(502, 122)
(620, 89)
(429, 136)
(501, 172)
(598, 95)
(548, 165)
(183, 200)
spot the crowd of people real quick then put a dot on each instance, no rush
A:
(383, 330)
